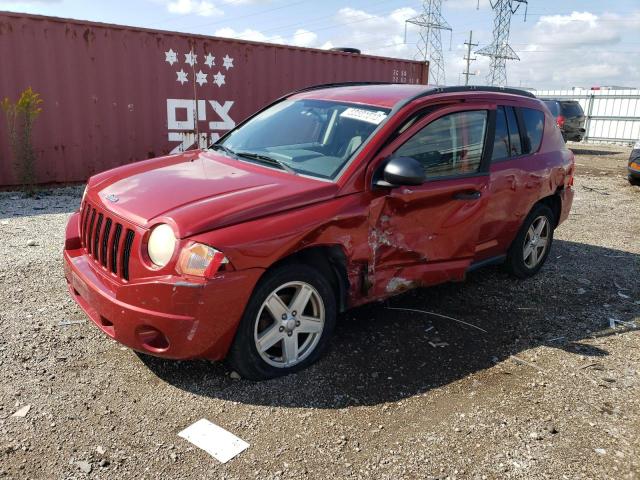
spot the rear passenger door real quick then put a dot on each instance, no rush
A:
(513, 185)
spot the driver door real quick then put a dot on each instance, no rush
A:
(427, 234)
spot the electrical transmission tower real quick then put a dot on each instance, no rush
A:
(499, 51)
(431, 23)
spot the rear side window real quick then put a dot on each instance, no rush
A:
(450, 145)
(572, 109)
(533, 128)
(514, 133)
(501, 142)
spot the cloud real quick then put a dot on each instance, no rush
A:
(197, 7)
(579, 49)
(300, 38)
(374, 34)
(249, 34)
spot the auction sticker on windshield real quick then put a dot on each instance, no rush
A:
(369, 116)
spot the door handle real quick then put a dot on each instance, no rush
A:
(467, 195)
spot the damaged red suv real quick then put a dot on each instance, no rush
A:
(331, 197)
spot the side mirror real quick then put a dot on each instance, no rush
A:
(402, 171)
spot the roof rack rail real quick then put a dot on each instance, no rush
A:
(339, 84)
(476, 88)
(434, 89)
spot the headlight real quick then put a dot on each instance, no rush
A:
(161, 244)
(201, 260)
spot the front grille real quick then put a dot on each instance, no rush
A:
(101, 237)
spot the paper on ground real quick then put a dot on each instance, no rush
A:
(214, 440)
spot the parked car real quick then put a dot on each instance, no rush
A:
(634, 165)
(329, 198)
(569, 117)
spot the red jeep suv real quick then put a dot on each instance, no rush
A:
(330, 197)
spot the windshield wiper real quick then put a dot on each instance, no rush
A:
(267, 159)
(227, 150)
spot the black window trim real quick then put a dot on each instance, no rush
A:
(508, 157)
(522, 129)
(519, 125)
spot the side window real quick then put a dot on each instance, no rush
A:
(501, 142)
(533, 129)
(514, 133)
(450, 145)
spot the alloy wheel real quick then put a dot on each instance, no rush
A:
(289, 324)
(536, 242)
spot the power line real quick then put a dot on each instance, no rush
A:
(431, 23)
(468, 58)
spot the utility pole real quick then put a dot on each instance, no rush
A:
(499, 51)
(468, 58)
(431, 23)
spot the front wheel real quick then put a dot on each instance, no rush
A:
(531, 247)
(286, 325)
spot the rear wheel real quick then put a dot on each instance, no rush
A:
(634, 180)
(286, 325)
(531, 247)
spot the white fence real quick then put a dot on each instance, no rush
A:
(612, 116)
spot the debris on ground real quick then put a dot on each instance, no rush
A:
(216, 441)
(22, 412)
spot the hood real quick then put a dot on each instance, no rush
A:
(201, 191)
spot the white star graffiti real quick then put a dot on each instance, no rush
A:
(170, 57)
(210, 60)
(190, 58)
(218, 79)
(201, 78)
(227, 62)
(182, 77)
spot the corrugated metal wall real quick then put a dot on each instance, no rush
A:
(113, 95)
(612, 115)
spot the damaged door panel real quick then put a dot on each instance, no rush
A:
(427, 234)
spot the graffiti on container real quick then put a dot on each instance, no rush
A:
(183, 131)
(183, 114)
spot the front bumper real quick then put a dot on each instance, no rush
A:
(169, 316)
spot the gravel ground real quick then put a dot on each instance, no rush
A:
(549, 391)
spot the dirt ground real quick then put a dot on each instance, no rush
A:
(543, 389)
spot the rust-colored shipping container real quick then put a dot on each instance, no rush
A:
(114, 94)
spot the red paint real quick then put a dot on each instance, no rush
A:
(106, 88)
(392, 239)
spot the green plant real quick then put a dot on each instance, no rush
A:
(20, 116)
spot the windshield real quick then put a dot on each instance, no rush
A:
(309, 137)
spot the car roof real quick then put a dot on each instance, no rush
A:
(387, 95)
(380, 95)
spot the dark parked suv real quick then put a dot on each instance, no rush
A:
(569, 117)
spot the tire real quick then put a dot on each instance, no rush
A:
(279, 318)
(634, 180)
(518, 263)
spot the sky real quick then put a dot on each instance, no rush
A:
(561, 44)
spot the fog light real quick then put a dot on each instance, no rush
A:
(152, 339)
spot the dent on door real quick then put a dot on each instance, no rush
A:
(422, 236)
